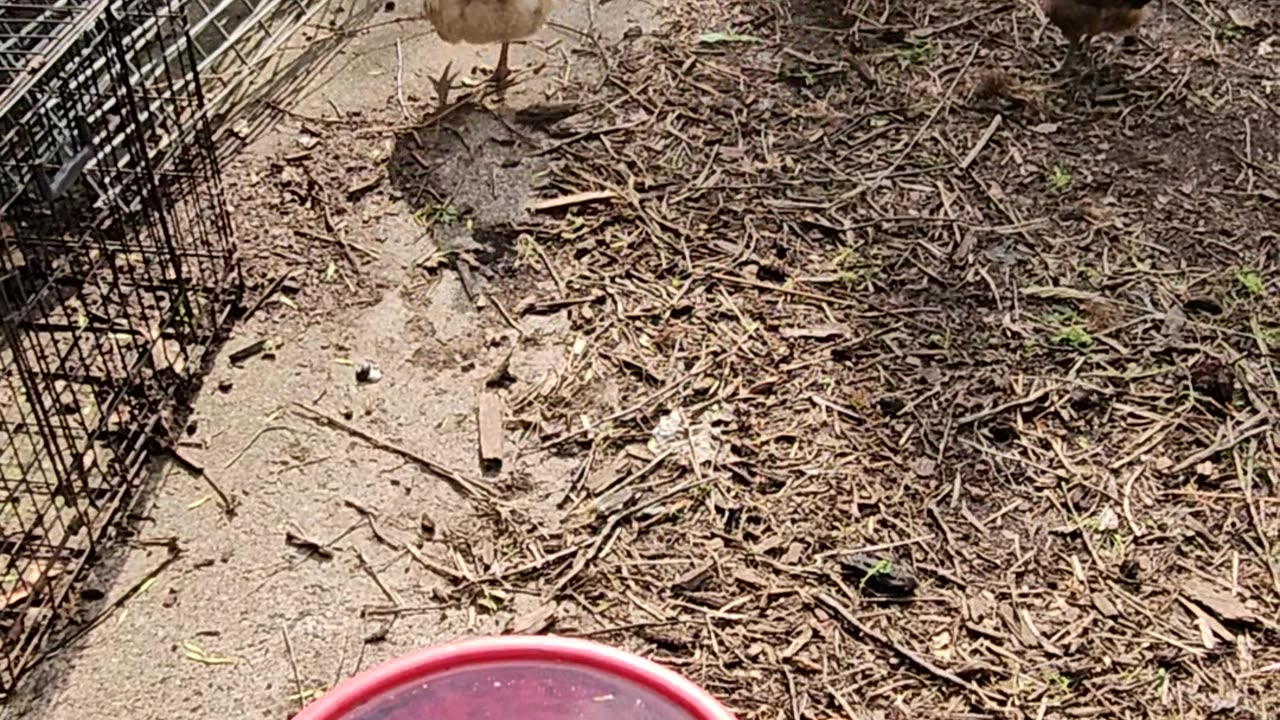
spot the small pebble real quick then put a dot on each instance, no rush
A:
(368, 373)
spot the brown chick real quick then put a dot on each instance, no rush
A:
(1081, 19)
(487, 21)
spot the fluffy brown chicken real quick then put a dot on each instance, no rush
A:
(1081, 19)
(487, 21)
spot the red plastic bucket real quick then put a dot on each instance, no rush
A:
(530, 677)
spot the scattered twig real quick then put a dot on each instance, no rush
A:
(253, 440)
(1000, 409)
(404, 108)
(374, 254)
(605, 536)
(1245, 471)
(658, 396)
(293, 665)
(392, 595)
(982, 142)
(569, 200)
(266, 295)
(1255, 425)
(919, 661)
(67, 640)
(468, 488)
(434, 567)
(228, 503)
(297, 538)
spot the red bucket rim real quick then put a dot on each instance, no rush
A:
(373, 683)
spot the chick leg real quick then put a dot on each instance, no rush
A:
(1072, 56)
(503, 71)
(1090, 56)
(1075, 48)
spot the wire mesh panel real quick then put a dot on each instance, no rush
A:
(116, 275)
(237, 40)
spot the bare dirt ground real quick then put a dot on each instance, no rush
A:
(852, 363)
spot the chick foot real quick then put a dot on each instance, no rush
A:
(444, 85)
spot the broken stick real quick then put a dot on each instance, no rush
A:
(468, 488)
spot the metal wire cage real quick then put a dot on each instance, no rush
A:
(117, 274)
(239, 42)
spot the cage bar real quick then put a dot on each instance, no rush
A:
(117, 276)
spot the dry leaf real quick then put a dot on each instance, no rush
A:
(34, 577)
(1206, 633)
(1174, 321)
(980, 606)
(1219, 603)
(1209, 627)
(694, 579)
(940, 645)
(747, 576)
(1104, 605)
(1242, 18)
(806, 634)
(924, 467)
